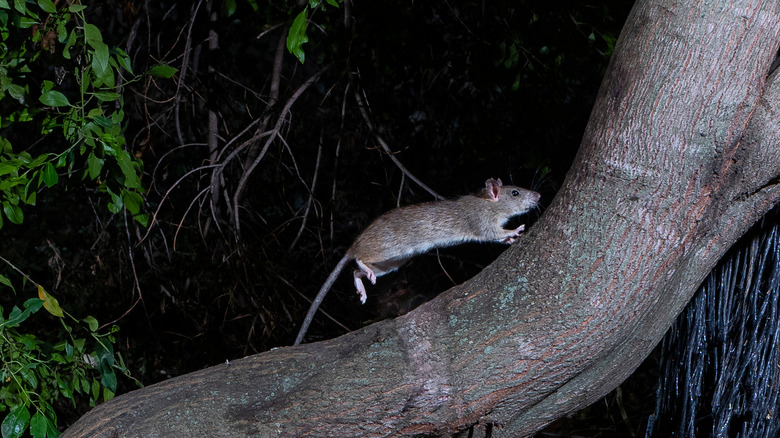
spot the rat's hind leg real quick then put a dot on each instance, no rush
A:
(363, 272)
(361, 290)
(366, 271)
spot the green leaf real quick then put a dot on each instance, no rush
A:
(50, 303)
(253, 4)
(4, 280)
(18, 316)
(122, 59)
(13, 213)
(92, 34)
(115, 206)
(76, 8)
(68, 350)
(126, 164)
(100, 64)
(47, 6)
(29, 376)
(95, 389)
(30, 195)
(38, 424)
(54, 98)
(69, 44)
(142, 219)
(108, 379)
(95, 165)
(133, 201)
(105, 354)
(296, 37)
(62, 31)
(52, 428)
(104, 122)
(65, 388)
(27, 22)
(15, 422)
(50, 177)
(85, 386)
(9, 166)
(162, 71)
(5, 146)
(91, 322)
(229, 7)
(332, 3)
(17, 92)
(106, 96)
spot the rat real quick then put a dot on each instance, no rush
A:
(400, 234)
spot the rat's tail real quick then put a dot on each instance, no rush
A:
(320, 296)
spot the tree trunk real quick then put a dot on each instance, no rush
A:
(680, 157)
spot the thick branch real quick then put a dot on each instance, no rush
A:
(662, 186)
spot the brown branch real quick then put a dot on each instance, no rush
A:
(183, 73)
(275, 132)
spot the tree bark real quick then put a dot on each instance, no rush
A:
(680, 157)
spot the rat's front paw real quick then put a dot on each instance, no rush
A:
(512, 235)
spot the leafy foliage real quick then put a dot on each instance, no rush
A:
(36, 373)
(60, 82)
(76, 104)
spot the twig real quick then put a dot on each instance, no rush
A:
(183, 74)
(189, 207)
(275, 132)
(136, 282)
(336, 158)
(162, 160)
(19, 271)
(311, 195)
(309, 300)
(273, 97)
(362, 106)
(168, 192)
(270, 29)
(213, 120)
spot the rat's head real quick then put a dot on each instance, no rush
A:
(512, 200)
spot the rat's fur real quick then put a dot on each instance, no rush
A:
(400, 234)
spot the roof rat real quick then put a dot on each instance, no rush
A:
(400, 234)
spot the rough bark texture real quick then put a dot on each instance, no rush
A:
(680, 157)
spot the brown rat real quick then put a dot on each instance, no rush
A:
(400, 234)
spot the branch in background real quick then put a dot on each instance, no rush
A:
(336, 158)
(311, 194)
(183, 73)
(213, 122)
(275, 132)
(363, 104)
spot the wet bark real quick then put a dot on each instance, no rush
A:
(680, 157)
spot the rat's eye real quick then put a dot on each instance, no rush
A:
(515, 193)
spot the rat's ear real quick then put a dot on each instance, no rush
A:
(493, 188)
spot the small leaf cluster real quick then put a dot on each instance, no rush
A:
(60, 81)
(296, 36)
(36, 373)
